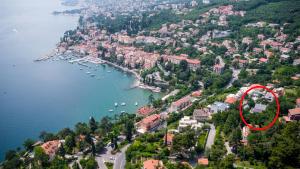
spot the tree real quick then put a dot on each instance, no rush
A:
(151, 98)
(93, 124)
(129, 126)
(41, 156)
(69, 143)
(28, 144)
(183, 65)
(62, 151)
(89, 163)
(227, 162)
(45, 136)
(99, 146)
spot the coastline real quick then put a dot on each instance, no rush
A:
(138, 78)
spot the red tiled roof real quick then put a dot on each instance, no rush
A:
(152, 164)
(169, 137)
(230, 100)
(146, 110)
(182, 100)
(151, 119)
(203, 161)
(294, 111)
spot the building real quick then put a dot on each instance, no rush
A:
(294, 114)
(51, 147)
(231, 99)
(245, 133)
(169, 138)
(218, 107)
(218, 68)
(201, 114)
(298, 102)
(203, 161)
(193, 64)
(269, 97)
(145, 111)
(187, 121)
(258, 108)
(153, 164)
(149, 123)
(181, 104)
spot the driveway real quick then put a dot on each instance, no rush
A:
(211, 137)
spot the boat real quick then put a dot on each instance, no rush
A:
(123, 104)
(88, 72)
(122, 111)
(80, 68)
(110, 110)
(93, 75)
(116, 104)
(109, 71)
(136, 103)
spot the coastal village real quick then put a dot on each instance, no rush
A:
(204, 63)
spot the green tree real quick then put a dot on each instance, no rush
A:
(93, 124)
(40, 156)
(129, 126)
(28, 144)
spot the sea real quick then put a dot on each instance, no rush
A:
(53, 94)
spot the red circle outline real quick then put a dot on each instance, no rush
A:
(241, 109)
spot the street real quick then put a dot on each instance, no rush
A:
(118, 159)
(211, 137)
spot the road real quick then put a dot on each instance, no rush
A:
(118, 159)
(211, 137)
(235, 73)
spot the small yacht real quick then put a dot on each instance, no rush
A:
(110, 110)
(80, 68)
(93, 75)
(136, 103)
(122, 111)
(108, 71)
(123, 104)
(88, 72)
(116, 104)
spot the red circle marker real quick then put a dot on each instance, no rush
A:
(241, 109)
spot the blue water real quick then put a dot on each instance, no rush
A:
(49, 95)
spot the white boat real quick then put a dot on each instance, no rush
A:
(116, 104)
(80, 68)
(110, 110)
(108, 71)
(136, 103)
(88, 72)
(122, 111)
(123, 104)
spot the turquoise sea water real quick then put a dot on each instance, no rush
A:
(50, 95)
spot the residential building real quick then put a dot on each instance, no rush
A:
(187, 121)
(51, 147)
(245, 133)
(201, 114)
(269, 97)
(145, 111)
(193, 64)
(169, 138)
(148, 123)
(294, 114)
(258, 108)
(153, 164)
(231, 99)
(298, 102)
(181, 104)
(203, 161)
(218, 107)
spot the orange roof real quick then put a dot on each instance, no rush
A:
(197, 93)
(182, 100)
(51, 147)
(230, 100)
(294, 111)
(151, 119)
(152, 164)
(146, 110)
(298, 101)
(203, 161)
(169, 137)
